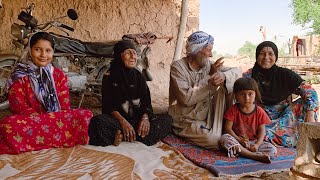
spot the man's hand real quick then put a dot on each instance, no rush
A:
(216, 66)
(144, 126)
(216, 80)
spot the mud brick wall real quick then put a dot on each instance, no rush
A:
(105, 20)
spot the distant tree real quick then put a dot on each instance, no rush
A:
(216, 55)
(214, 52)
(227, 55)
(307, 13)
(283, 50)
(248, 49)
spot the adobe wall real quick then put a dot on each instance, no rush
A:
(312, 43)
(104, 20)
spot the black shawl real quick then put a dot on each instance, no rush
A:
(275, 83)
(123, 86)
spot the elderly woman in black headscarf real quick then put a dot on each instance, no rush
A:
(276, 85)
(126, 104)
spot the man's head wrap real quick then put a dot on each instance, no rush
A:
(198, 40)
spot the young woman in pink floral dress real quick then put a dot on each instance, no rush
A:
(40, 105)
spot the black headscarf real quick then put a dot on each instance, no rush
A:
(275, 83)
(123, 86)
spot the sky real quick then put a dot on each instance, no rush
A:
(232, 22)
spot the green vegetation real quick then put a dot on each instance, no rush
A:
(307, 13)
(216, 55)
(248, 49)
(282, 49)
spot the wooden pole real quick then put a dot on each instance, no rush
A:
(182, 29)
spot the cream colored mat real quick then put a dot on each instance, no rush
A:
(126, 161)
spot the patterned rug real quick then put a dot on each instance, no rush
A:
(220, 165)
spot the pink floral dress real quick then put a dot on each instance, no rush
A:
(31, 128)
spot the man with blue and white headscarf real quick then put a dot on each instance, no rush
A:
(197, 93)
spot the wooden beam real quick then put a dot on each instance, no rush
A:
(182, 29)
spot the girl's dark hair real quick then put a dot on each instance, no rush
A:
(247, 83)
(41, 35)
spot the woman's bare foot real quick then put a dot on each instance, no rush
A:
(118, 138)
